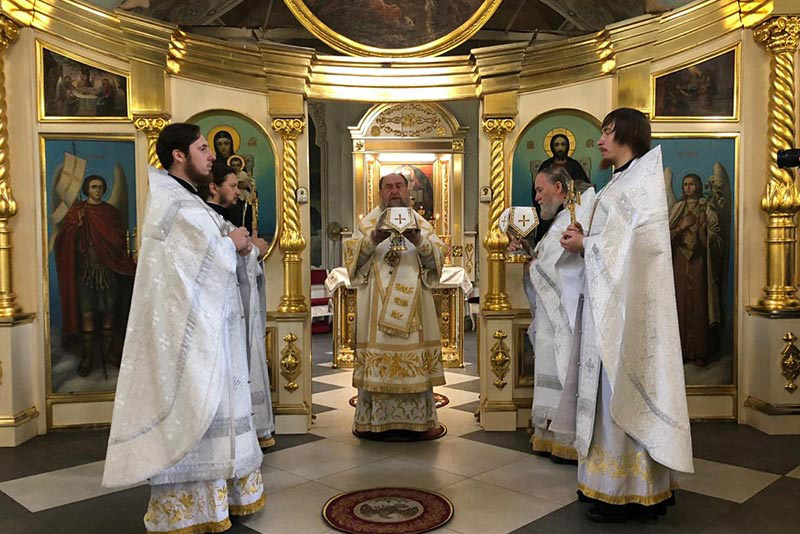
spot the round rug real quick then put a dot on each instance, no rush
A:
(388, 511)
(403, 435)
(440, 400)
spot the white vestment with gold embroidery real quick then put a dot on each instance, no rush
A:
(632, 424)
(398, 355)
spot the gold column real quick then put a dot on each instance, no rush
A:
(496, 241)
(151, 125)
(291, 241)
(8, 206)
(781, 198)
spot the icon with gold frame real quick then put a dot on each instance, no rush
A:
(398, 29)
(73, 89)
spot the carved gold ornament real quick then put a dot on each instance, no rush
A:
(781, 200)
(290, 363)
(458, 145)
(790, 362)
(409, 120)
(500, 359)
(291, 240)
(8, 205)
(151, 126)
(496, 240)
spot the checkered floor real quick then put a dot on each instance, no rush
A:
(746, 481)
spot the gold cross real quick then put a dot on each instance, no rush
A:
(400, 219)
(573, 199)
(524, 220)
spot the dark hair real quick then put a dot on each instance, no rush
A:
(631, 128)
(697, 179)
(220, 135)
(89, 179)
(177, 136)
(553, 142)
(219, 171)
(380, 182)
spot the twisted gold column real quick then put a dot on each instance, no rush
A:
(151, 125)
(496, 241)
(8, 206)
(781, 200)
(291, 241)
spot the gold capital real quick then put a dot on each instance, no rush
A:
(151, 125)
(496, 241)
(9, 309)
(781, 200)
(291, 241)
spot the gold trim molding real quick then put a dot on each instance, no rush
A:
(781, 200)
(290, 363)
(771, 409)
(151, 125)
(21, 418)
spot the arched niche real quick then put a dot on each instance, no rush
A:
(248, 139)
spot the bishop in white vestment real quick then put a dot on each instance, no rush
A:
(398, 357)
(631, 417)
(183, 413)
(553, 283)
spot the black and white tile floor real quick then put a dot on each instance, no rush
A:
(745, 481)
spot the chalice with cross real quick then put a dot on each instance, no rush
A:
(518, 223)
(396, 220)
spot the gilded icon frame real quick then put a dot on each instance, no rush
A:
(737, 69)
(278, 165)
(724, 390)
(438, 46)
(52, 398)
(40, 92)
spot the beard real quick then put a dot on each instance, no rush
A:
(548, 211)
(194, 175)
(560, 155)
(606, 164)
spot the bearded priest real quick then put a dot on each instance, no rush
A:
(398, 357)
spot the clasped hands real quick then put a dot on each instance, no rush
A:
(572, 238)
(412, 234)
(244, 243)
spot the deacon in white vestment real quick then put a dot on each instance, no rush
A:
(553, 284)
(630, 414)
(183, 412)
(398, 355)
(221, 192)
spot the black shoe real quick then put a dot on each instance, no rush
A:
(607, 513)
(563, 461)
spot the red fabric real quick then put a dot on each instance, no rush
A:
(102, 226)
(318, 276)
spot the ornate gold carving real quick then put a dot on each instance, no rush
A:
(151, 126)
(458, 251)
(8, 206)
(358, 146)
(290, 363)
(469, 265)
(291, 241)
(500, 359)
(790, 362)
(458, 145)
(496, 241)
(411, 120)
(781, 200)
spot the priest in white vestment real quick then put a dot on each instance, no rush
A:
(630, 415)
(398, 356)
(183, 417)
(553, 284)
(221, 192)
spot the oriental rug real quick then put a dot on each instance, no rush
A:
(388, 511)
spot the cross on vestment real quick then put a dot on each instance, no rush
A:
(400, 219)
(524, 220)
(573, 199)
